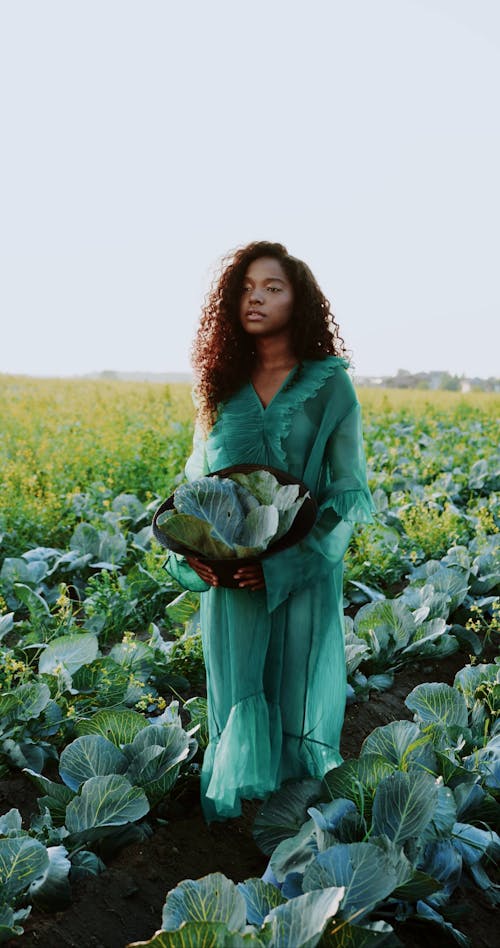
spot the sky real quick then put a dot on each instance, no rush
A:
(142, 141)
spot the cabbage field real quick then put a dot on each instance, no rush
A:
(102, 700)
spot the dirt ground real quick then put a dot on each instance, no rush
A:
(124, 903)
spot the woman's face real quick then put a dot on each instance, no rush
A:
(266, 299)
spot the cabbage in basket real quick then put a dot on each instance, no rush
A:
(235, 516)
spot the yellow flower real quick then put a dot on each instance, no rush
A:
(136, 682)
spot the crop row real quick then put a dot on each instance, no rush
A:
(385, 837)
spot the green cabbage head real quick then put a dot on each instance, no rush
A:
(234, 516)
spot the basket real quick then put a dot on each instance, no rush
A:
(225, 568)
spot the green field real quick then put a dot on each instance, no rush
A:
(101, 668)
(64, 437)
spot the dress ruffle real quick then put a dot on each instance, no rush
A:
(242, 763)
(353, 506)
(313, 376)
(303, 757)
(240, 433)
(247, 433)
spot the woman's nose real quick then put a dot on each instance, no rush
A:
(256, 295)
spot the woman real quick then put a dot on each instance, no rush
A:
(273, 389)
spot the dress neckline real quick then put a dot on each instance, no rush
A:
(285, 382)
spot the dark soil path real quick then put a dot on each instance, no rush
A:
(124, 904)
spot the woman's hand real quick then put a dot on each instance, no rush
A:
(204, 571)
(251, 577)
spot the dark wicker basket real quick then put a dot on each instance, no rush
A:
(225, 568)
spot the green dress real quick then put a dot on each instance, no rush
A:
(275, 663)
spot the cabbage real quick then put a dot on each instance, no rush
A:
(231, 517)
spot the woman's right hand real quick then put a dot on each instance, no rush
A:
(205, 572)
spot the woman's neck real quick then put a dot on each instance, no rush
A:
(274, 354)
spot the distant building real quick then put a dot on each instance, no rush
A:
(433, 381)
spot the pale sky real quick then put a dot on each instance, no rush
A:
(143, 140)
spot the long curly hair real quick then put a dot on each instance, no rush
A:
(223, 353)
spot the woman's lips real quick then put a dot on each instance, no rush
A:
(254, 315)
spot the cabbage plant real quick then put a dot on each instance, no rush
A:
(30, 872)
(390, 834)
(215, 911)
(28, 717)
(402, 825)
(112, 774)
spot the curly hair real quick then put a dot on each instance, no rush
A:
(223, 353)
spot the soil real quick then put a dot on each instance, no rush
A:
(124, 904)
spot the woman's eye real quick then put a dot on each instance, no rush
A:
(274, 289)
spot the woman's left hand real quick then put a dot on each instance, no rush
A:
(251, 577)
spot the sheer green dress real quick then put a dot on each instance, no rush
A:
(275, 662)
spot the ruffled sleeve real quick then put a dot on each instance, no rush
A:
(346, 488)
(177, 565)
(343, 498)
